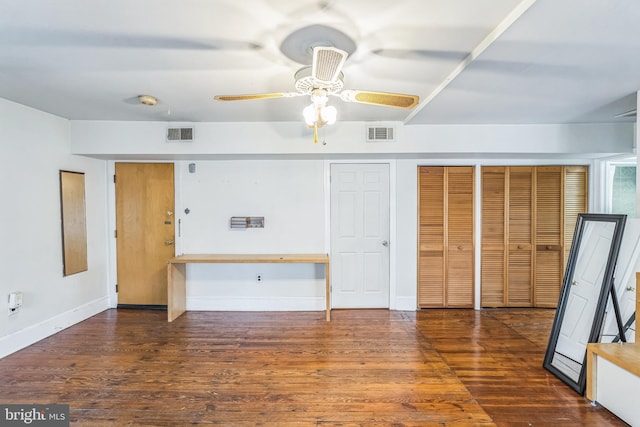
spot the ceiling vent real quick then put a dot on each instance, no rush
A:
(380, 134)
(179, 134)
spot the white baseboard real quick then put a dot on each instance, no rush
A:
(32, 334)
(206, 303)
(404, 303)
(255, 304)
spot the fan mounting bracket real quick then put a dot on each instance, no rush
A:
(306, 83)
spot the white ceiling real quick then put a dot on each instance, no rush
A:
(470, 61)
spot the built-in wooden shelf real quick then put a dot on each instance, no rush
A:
(177, 273)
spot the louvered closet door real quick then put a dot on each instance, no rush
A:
(549, 267)
(459, 237)
(520, 237)
(528, 218)
(446, 243)
(431, 237)
(576, 190)
(493, 236)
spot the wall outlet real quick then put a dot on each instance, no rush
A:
(14, 302)
(259, 278)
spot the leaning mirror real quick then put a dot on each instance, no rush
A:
(585, 291)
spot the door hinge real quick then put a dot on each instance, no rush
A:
(116, 288)
(114, 178)
(115, 234)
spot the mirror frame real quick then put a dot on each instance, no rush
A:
(605, 289)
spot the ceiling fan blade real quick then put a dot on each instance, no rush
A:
(386, 99)
(327, 63)
(256, 96)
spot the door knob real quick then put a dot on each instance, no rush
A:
(575, 282)
(169, 242)
(169, 213)
(631, 288)
(385, 243)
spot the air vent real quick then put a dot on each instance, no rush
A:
(380, 134)
(179, 134)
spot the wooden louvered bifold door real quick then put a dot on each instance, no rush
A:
(459, 237)
(446, 242)
(431, 237)
(493, 236)
(549, 255)
(519, 238)
(575, 189)
(528, 218)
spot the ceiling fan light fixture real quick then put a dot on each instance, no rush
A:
(310, 114)
(329, 114)
(319, 115)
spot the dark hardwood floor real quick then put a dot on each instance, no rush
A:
(364, 368)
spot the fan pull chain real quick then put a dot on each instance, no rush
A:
(315, 133)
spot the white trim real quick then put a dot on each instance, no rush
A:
(112, 269)
(477, 268)
(393, 208)
(405, 303)
(200, 303)
(32, 334)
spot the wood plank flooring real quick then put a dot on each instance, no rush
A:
(364, 368)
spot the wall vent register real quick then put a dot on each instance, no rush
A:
(180, 134)
(380, 134)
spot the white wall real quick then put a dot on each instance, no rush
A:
(146, 140)
(289, 194)
(35, 146)
(275, 170)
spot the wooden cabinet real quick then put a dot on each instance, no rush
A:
(446, 237)
(528, 218)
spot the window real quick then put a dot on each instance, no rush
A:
(621, 187)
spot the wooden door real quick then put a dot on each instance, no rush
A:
(360, 235)
(494, 222)
(431, 260)
(144, 231)
(549, 264)
(507, 236)
(446, 238)
(526, 216)
(459, 237)
(520, 236)
(575, 188)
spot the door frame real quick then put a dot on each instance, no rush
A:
(112, 255)
(393, 303)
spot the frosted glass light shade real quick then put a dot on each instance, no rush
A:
(329, 114)
(310, 114)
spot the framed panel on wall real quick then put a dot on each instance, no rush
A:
(74, 227)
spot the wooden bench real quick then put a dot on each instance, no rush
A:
(177, 274)
(613, 375)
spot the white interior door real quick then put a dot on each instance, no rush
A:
(585, 289)
(360, 235)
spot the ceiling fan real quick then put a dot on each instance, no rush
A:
(322, 79)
